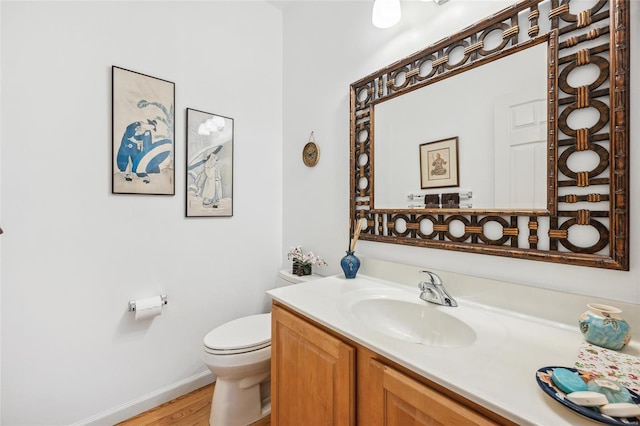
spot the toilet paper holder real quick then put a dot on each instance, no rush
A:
(132, 303)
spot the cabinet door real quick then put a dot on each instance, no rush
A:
(313, 374)
(407, 402)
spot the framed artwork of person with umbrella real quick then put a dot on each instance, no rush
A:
(209, 164)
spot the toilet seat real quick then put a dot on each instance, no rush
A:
(239, 336)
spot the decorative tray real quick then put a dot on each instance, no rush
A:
(543, 377)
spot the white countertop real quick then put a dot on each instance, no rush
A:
(497, 371)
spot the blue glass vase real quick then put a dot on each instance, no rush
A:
(350, 265)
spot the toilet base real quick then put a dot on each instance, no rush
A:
(238, 403)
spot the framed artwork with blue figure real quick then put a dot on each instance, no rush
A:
(209, 165)
(143, 118)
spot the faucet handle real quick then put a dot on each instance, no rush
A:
(435, 279)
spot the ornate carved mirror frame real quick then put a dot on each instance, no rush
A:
(597, 36)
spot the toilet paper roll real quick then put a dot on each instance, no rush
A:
(149, 307)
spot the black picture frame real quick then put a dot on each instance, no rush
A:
(209, 164)
(143, 134)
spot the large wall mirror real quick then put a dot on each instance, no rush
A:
(508, 138)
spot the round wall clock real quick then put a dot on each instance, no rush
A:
(310, 154)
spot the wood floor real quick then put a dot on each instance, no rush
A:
(192, 409)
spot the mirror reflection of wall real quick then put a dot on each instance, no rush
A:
(477, 107)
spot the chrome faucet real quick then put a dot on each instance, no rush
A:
(434, 292)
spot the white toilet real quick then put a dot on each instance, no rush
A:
(239, 354)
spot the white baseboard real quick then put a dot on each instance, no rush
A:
(148, 401)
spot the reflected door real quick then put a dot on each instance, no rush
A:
(520, 123)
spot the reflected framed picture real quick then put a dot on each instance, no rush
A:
(439, 164)
(142, 134)
(209, 164)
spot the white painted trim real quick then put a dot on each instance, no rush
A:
(149, 401)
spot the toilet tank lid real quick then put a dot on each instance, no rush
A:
(287, 276)
(241, 333)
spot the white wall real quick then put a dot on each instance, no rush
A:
(0, 216)
(73, 254)
(330, 45)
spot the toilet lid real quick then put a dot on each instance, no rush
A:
(241, 335)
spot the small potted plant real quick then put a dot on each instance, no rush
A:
(303, 263)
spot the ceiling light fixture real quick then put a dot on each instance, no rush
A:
(386, 13)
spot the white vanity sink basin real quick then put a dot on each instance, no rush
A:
(413, 322)
(402, 315)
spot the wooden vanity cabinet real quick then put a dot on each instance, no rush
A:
(387, 396)
(312, 374)
(319, 377)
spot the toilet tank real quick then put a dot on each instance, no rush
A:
(286, 277)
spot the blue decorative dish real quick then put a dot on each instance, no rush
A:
(543, 377)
